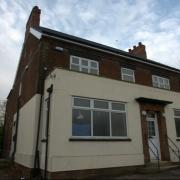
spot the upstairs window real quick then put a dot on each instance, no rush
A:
(160, 82)
(127, 75)
(177, 121)
(98, 118)
(84, 65)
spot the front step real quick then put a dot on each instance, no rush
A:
(167, 165)
(152, 167)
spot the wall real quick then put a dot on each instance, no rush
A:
(109, 65)
(65, 155)
(28, 77)
(27, 132)
(171, 129)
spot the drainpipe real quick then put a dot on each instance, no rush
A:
(16, 131)
(49, 90)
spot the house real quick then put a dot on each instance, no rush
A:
(78, 107)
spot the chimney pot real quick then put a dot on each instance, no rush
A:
(140, 43)
(134, 47)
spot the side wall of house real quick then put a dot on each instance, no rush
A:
(27, 132)
(67, 155)
(27, 75)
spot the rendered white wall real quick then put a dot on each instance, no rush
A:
(27, 132)
(65, 155)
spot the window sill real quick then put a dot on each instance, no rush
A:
(162, 88)
(178, 139)
(98, 139)
(133, 82)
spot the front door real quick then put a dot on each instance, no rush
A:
(153, 136)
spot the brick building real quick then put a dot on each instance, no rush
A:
(78, 107)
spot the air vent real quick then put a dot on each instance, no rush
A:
(59, 48)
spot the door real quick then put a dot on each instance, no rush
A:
(153, 136)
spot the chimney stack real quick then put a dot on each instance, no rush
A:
(139, 50)
(34, 20)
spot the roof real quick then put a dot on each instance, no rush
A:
(50, 32)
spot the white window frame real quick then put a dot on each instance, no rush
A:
(109, 110)
(89, 67)
(159, 83)
(125, 74)
(178, 137)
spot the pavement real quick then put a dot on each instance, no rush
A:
(173, 174)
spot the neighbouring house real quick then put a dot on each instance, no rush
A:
(78, 107)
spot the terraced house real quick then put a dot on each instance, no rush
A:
(78, 107)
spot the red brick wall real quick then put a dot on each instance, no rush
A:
(109, 64)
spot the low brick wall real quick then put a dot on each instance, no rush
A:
(22, 171)
(26, 173)
(92, 173)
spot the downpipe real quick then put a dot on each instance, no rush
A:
(49, 90)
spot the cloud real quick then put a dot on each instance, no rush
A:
(120, 24)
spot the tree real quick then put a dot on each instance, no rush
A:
(2, 112)
(2, 116)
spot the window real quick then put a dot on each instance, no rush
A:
(84, 65)
(127, 74)
(98, 118)
(177, 121)
(160, 82)
(151, 128)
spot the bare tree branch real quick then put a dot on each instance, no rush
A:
(2, 111)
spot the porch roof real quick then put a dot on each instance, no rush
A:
(153, 101)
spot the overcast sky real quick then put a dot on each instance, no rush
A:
(117, 23)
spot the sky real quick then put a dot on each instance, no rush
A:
(117, 23)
